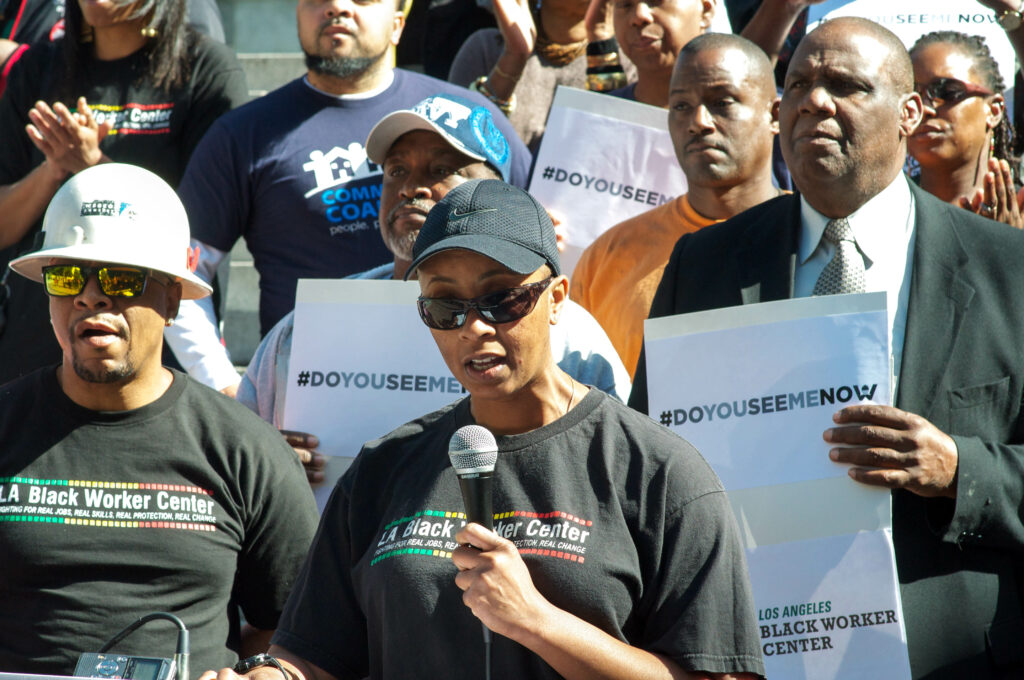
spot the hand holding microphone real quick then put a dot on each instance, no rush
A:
(496, 584)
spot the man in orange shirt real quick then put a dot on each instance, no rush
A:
(723, 117)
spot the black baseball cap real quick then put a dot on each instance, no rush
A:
(495, 219)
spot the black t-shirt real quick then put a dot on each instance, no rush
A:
(151, 129)
(179, 506)
(30, 21)
(619, 521)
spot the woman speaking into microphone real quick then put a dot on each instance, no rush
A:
(614, 552)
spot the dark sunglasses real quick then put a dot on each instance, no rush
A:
(63, 280)
(943, 91)
(501, 306)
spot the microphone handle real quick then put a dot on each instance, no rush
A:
(477, 497)
(479, 502)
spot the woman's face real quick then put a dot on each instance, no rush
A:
(102, 13)
(952, 133)
(493, 361)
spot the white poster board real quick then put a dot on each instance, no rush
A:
(603, 159)
(362, 363)
(753, 388)
(910, 19)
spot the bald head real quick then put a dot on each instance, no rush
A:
(848, 107)
(899, 68)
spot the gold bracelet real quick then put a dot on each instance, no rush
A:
(507, 106)
(598, 60)
(509, 76)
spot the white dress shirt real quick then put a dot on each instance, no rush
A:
(884, 230)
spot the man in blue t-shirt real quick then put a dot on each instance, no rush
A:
(289, 172)
(425, 152)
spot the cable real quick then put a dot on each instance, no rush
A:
(181, 651)
(486, 661)
(487, 653)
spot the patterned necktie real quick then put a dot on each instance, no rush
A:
(845, 271)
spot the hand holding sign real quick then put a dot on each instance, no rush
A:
(894, 449)
(304, 445)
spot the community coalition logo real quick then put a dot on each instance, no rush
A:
(348, 185)
(404, 382)
(626, 192)
(766, 404)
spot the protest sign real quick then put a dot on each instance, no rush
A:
(602, 160)
(362, 363)
(910, 19)
(753, 388)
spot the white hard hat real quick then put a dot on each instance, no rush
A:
(121, 214)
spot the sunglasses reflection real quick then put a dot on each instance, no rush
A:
(64, 280)
(502, 306)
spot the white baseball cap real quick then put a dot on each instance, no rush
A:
(121, 214)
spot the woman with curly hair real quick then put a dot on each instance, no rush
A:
(964, 144)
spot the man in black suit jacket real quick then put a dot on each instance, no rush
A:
(847, 109)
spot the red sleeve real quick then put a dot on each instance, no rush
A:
(7, 65)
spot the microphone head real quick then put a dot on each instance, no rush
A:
(472, 449)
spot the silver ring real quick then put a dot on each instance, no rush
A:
(987, 209)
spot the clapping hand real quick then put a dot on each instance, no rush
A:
(997, 200)
(70, 141)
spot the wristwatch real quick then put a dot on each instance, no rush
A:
(1010, 19)
(246, 665)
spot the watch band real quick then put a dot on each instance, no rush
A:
(245, 665)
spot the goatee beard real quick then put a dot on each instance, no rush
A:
(339, 67)
(123, 370)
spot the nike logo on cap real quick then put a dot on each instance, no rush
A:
(456, 215)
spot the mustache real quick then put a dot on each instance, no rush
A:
(348, 25)
(415, 203)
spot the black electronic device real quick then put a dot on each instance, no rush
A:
(112, 665)
(107, 664)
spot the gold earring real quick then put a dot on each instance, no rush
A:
(169, 322)
(149, 32)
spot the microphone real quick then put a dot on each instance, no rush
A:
(473, 453)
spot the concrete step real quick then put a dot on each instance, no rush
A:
(241, 321)
(266, 71)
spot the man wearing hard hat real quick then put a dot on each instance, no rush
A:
(125, 487)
